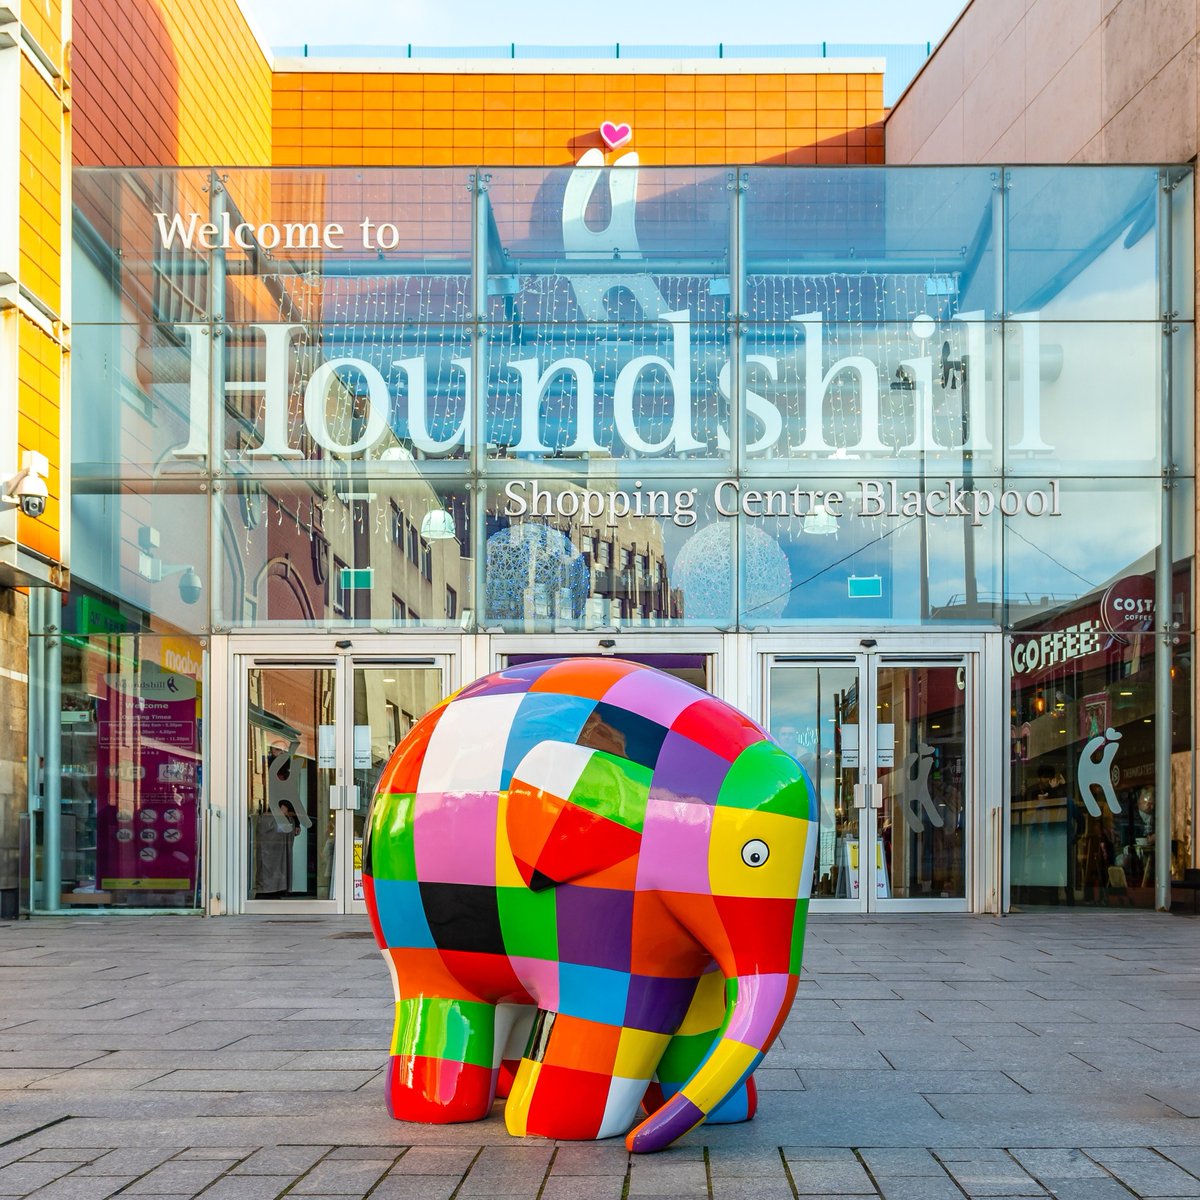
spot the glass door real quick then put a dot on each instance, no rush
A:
(893, 791)
(291, 788)
(316, 735)
(387, 699)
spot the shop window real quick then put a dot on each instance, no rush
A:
(1083, 717)
(130, 813)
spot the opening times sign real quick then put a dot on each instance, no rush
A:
(147, 818)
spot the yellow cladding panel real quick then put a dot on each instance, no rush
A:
(39, 416)
(43, 21)
(40, 204)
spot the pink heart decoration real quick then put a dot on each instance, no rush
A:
(615, 136)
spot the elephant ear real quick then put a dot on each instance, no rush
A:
(575, 812)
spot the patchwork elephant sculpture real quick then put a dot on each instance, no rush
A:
(605, 869)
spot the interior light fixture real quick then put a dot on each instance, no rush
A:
(437, 525)
(820, 522)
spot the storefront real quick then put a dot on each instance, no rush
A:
(877, 454)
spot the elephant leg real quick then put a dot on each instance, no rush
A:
(692, 1041)
(442, 1067)
(581, 1079)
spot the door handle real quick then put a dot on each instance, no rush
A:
(352, 797)
(336, 802)
(871, 793)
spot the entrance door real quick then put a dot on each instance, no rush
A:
(317, 731)
(889, 740)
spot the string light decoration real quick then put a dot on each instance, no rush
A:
(534, 572)
(704, 573)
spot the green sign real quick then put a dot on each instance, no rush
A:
(864, 587)
(94, 616)
(357, 579)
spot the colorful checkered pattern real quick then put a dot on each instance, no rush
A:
(600, 870)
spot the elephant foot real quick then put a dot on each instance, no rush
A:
(441, 1069)
(562, 1090)
(438, 1091)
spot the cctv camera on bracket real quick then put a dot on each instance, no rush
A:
(27, 489)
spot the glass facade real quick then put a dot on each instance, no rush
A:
(564, 400)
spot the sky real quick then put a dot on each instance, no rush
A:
(555, 22)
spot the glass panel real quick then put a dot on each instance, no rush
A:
(813, 713)
(132, 766)
(1082, 398)
(659, 234)
(1080, 243)
(1107, 529)
(388, 701)
(290, 768)
(1083, 772)
(132, 404)
(1183, 243)
(928, 229)
(839, 388)
(1183, 395)
(597, 551)
(384, 392)
(358, 246)
(347, 552)
(123, 268)
(869, 550)
(638, 390)
(922, 826)
(146, 551)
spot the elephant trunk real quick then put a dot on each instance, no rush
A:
(756, 1008)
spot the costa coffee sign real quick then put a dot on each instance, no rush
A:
(1127, 606)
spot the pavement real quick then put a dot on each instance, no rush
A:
(926, 1057)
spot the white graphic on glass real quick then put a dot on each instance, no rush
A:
(617, 240)
(283, 788)
(1097, 772)
(922, 758)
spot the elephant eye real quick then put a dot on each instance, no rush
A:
(755, 853)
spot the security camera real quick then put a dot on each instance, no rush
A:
(190, 586)
(27, 488)
(31, 494)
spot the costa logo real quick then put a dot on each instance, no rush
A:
(1128, 606)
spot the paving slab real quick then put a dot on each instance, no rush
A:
(926, 1057)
